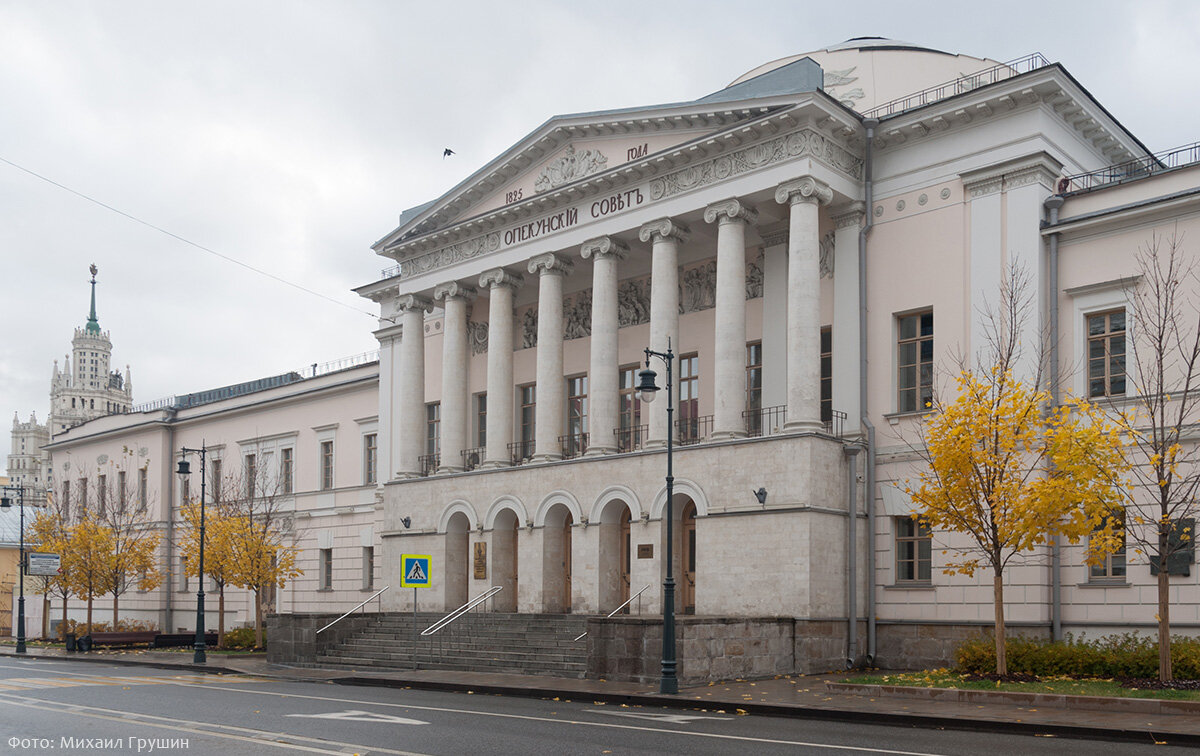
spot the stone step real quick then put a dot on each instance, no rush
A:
(453, 667)
(460, 654)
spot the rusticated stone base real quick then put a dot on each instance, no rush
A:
(932, 645)
(293, 638)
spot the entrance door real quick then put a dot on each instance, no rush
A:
(566, 565)
(626, 520)
(688, 521)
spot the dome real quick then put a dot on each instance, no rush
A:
(864, 72)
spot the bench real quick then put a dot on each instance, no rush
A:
(175, 640)
(125, 638)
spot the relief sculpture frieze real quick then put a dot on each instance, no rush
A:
(477, 337)
(529, 328)
(571, 166)
(754, 278)
(633, 302)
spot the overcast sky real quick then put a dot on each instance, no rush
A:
(290, 135)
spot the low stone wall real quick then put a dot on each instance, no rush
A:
(293, 638)
(932, 645)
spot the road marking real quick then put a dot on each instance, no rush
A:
(668, 718)
(77, 679)
(228, 732)
(354, 715)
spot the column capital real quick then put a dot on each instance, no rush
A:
(730, 210)
(803, 189)
(453, 290)
(602, 247)
(406, 302)
(497, 277)
(550, 264)
(849, 215)
(662, 229)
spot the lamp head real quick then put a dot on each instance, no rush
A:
(646, 387)
(761, 494)
(5, 503)
(407, 521)
(185, 467)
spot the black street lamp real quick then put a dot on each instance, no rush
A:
(668, 682)
(184, 470)
(5, 503)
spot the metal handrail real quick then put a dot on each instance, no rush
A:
(347, 614)
(619, 608)
(460, 611)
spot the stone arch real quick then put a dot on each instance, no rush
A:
(457, 544)
(682, 487)
(557, 497)
(505, 524)
(502, 503)
(612, 493)
(458, 505)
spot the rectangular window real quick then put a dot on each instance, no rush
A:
(481, 420)
(143, 484)
(370, 458)
(326, 571)
(754, 376)
(914, 551)
(433, 427)
(121, 491)
(66, 500)
(826, 374)
(1181, 548)
(251, 470)
(629, 434)
(528, 396)
(1113, 566)
(914, 361)
(689, 398)
(183, 573)
(326, 465)
(214, 483)
(102, 494)
(577, 416)
(1106, 353)
(185, 492)
(368, 567)
(285, 470)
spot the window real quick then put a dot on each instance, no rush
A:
(481, 420)
(915, 362)
(827, 374)
(102, 494)
(689, 398)
(326, 569)
(183, 573)
(433, 428)
(83, 497)
(528, 396)
(215, 482)
(1180, 549)
(66, 500)
(326, 465)
(914, 549)
(370, 458)
(121, 493)
(143, 484)
(185, 492)
(629, 435)
(285, 470)
(1106, 353)
(754, 376)
(1113, 566)
(368, 566)
(577, 416)
(251, 470)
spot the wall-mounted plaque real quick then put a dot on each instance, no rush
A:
(481, 561)
(645, 551)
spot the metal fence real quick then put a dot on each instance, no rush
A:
(1131, 170)
(958, 86)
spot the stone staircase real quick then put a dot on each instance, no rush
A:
(532, 644)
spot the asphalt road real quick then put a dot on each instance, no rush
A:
(75, 708)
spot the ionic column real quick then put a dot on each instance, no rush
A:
(454, 297)
(500, 285)
(804, 195)
(551, 387)
(411, 386)
(730, 351)
(847, 222)
(603, 386)
(666, 235)
(389, 342)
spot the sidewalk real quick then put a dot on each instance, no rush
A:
(795, 696)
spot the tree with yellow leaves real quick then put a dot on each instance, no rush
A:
(48, 535)
(133, 558)
(86, 557)
(1009, 471)
(219, 534)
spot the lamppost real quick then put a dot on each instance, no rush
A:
(5, 503)
(668, 682)
(184, 470)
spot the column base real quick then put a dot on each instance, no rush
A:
(726, 435)
(803, 426)
(600, 451)
(538, 458)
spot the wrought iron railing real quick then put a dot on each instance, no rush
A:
(765, 421)
(429, 464)
(631, 438)
(573, 445)
(520, 452)
(836, 423)
(472, 458)
(391, 270)
(1009, 70)
(693, 430)
(1131, 170)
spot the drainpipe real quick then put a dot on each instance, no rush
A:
(168, 583)
(869, 494)
(1053, 203)
(852, 555)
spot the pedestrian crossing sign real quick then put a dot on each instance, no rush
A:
(415, 571)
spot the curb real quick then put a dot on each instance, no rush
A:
(787, 710)
(1152, 706)
(127, 662)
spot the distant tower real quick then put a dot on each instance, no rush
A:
(26, 462)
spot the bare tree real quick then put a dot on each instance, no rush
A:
(134, 540)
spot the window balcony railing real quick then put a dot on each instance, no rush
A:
(573, 445)
(765, 421)
(631, 438)
(520, 452)
(428, 464)
(472, 458)
(835, 425)
(693, 430)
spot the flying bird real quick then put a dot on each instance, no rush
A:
(447, 153)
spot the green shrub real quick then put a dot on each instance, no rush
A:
(125, 625)
(240, 637)
(1126, 655)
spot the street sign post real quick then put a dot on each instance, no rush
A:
(415, 573)
(45, 565)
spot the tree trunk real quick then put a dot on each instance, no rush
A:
(1164, 621)
(220, 615)
(87, 629)
(258, 628)
(62, 628)
(46, 616)
(1001, 651)
(116, 601)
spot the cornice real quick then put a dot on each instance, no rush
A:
(1040, 168)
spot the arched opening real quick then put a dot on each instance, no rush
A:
(614, 555)
(556, 560)
(683, 557)
(458, 537)
(504, 560)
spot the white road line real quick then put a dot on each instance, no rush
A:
(260, 737)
